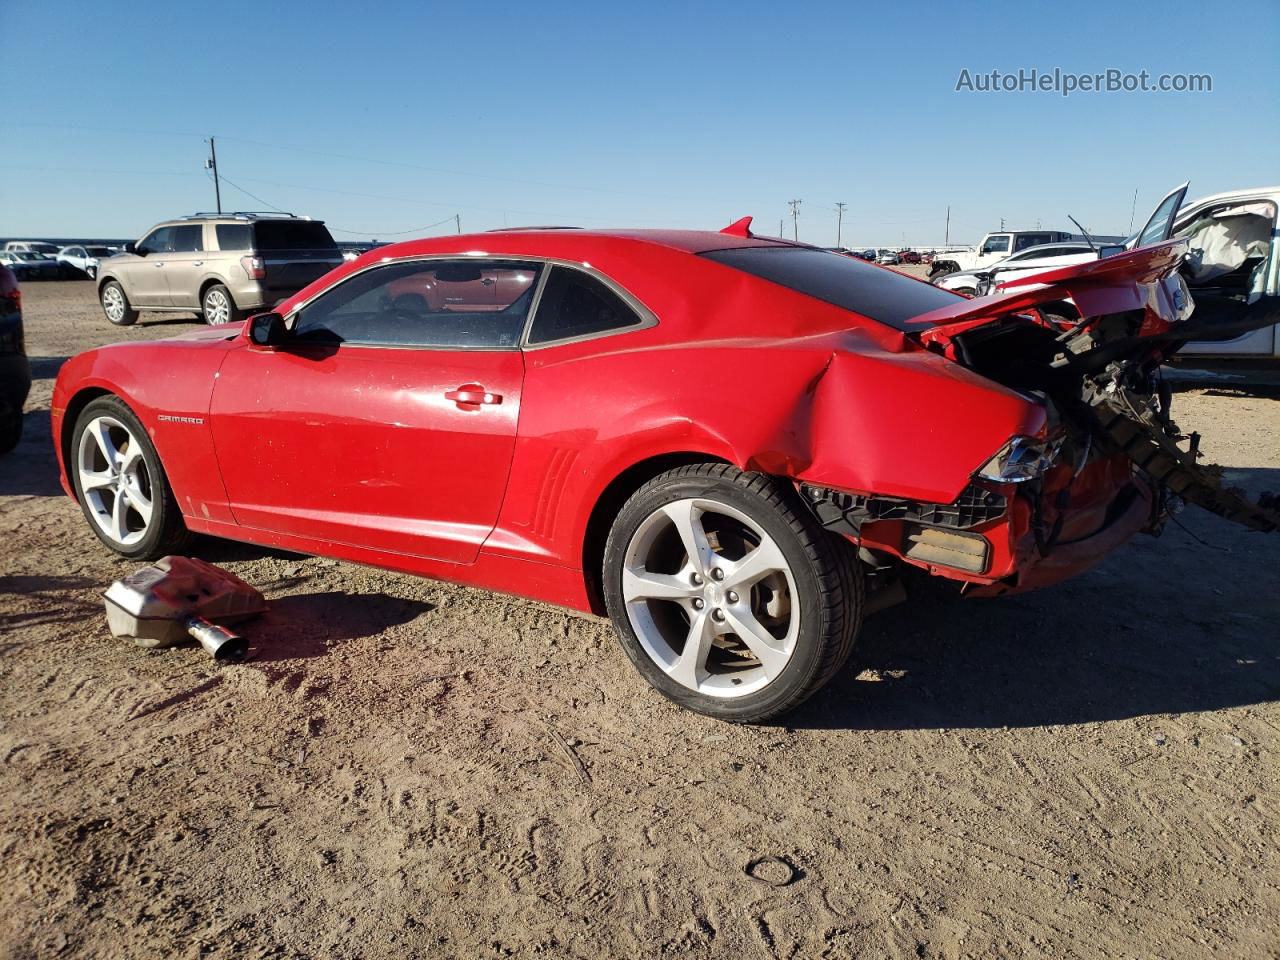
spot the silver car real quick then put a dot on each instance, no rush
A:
(220, 266)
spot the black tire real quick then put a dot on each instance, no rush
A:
(128, 316)
(166, 533)
(824, 567)
(10, 430)
(234, 313)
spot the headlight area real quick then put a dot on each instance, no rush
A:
(1022, 459)
(929, 534)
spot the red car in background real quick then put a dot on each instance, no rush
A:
(721, 441)
(909, 256)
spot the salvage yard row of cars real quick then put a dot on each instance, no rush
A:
(38, 260)
(729, 445)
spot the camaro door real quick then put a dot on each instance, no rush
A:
(380, 422)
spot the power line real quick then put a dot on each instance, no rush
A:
(456, 219)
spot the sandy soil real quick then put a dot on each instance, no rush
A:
(406, 768)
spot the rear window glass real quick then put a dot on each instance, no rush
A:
(574, 304)
(292, 235)
(234, 236)
(883, 295)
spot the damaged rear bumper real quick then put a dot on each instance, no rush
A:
(999, 539)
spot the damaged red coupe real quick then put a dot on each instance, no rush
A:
(723, 442)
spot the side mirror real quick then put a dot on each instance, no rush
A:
(1110, 250)
(268, 330)
(131, 247)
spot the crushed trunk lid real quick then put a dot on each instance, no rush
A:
(1101, 371)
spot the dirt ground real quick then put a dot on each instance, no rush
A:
(411, 769)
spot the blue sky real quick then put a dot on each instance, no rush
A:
(382, 118)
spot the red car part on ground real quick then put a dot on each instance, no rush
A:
(977, 439)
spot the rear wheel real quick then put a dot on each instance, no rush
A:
(728, 597)
(217, 306)
(116, 305)
(121, 486)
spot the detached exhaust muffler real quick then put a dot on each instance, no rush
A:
(181, 597)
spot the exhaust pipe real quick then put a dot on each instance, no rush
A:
(181, 597)
(219, 642)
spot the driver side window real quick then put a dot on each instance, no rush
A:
(158, 241)
(996, 245)
(460, 304)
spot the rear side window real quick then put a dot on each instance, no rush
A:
(883, 295)
(272, 235)
(188, 238)
(234, 236)
(575, 304)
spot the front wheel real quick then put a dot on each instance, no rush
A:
(728, 596)
(121, 486)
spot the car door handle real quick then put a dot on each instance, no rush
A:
(197, 263)
(488, 281)
(472, 393)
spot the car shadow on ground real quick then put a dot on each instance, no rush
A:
(46, 368)
(1176, 625)
(306, 625)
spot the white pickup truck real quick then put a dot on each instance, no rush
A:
(1002, 245)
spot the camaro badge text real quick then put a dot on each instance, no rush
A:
(171, 419)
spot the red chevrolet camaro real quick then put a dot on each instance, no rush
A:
(723, 442)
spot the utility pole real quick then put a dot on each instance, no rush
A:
(457, 221)
(946, 242)
(212, 164)
(1002, 224)
(795, 218)
(839, 221)
(782, 231)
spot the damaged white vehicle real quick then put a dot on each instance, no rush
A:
(1231, 269)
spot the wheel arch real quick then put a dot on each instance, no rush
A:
(610, 501)
(79, 400)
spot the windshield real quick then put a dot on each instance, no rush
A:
(1160, 226)
(99, 251)
(886, 296)
(292, 235)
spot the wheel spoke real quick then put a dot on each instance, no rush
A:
(759, 641)
(687, 518)
(102, 437)
(140, 504)
(759, 563)
(691, 667)
(95, 479)
(640, 584)
(119, 511)
(131, 455)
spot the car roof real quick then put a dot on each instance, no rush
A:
(501, 241)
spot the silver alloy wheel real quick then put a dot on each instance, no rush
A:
(711, 598)
(113, 303)
(114, 480)
(217, 308)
